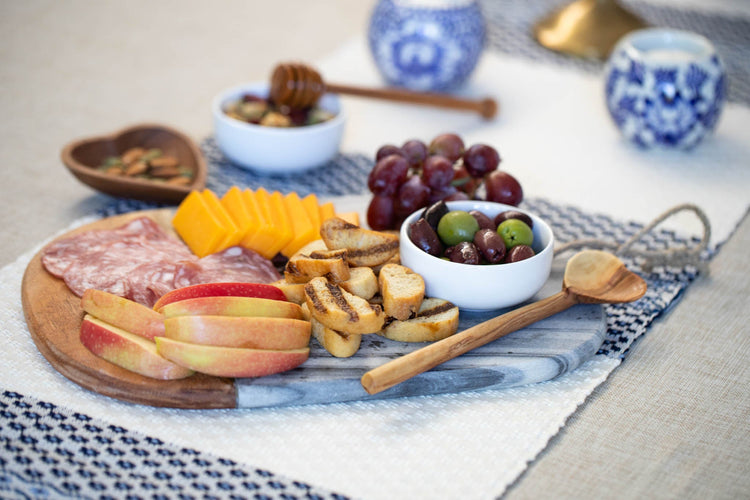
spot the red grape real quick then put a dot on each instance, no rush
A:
(457, 196)
(412, 195)
(415, 151)
(449, 145)
(480, 160)
(503, 188)
(463, 181)
(388, 149)
(387, 175)
(380, 214)
(437, 172)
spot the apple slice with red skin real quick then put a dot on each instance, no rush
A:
(123, 313)
(232, 306)
(261, 290)
(251, 333)
(232, 362)
(128, 350)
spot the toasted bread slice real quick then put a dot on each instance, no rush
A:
(330, 263)
(402, 290)
(395, 259)
(364, 246)
(362, 282)
(294, 292)
(340, 310)
(435, 320)
(338, 345)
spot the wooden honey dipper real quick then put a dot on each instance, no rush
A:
(299, 86)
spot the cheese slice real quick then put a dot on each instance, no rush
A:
(312, 207)
(350, 217)
(326, 211)
(232, 235)
(235, 206)
(197, 225)
(260, 234)
(280, 217)
(304, 230)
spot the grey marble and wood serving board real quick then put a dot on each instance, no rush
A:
(540, 352)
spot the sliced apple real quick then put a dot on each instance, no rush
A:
(123, 313)
(233, 306)
(260, 290)
(230, 361)
(128, 350)
(227, 331)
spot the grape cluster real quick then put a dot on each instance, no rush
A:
(415, 175)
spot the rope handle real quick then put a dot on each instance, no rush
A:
(678, 257)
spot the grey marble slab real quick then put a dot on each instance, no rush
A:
(539, 352)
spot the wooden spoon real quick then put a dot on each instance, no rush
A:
(300, 86)
(591, 276)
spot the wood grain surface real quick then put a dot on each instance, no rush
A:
(53, 314)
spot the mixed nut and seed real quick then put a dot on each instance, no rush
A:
(260, 111)
(149, 164)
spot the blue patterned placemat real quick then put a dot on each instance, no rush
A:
(47, 451)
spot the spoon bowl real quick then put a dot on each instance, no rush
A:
(591, 277)
(596, 277)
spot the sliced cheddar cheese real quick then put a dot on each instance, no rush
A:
(232, 235)
(304, 230)
(312, 207)
(261, 234)
(198, 226)
(326, 211)
(281, 219)
(350, 217)
(235, 206)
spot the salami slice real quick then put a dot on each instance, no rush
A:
(235, 264)
(142, 262)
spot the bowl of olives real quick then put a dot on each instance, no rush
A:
(254, 133)
(480, 255)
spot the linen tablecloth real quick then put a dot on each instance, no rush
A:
(400, 448)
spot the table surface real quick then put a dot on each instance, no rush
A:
(667, 423)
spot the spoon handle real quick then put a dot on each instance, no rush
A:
(403, 368)
(486, 107)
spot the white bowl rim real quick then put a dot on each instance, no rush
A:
(262, 88)
(404, 233)
(638, 44)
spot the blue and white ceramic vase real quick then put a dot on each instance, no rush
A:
(665, 88)
(426, 45)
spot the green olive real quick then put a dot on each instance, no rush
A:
(457, 226)
(515, 232)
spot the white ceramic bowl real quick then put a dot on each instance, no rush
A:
(273, 149)
(482, 287)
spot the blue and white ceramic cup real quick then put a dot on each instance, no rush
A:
(426, 45)
(665, 88)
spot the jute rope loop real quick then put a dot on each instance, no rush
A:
(676, 257)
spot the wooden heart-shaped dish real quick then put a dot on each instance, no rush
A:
(84, 158)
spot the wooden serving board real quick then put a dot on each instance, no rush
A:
(540, 352)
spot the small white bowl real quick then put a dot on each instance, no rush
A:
(275, 150)
(481, 287)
